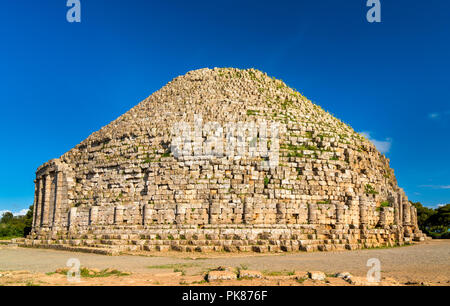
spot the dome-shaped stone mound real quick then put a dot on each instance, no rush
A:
(222, 159)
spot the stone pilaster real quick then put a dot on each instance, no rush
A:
(312, 214)
(59, 176)
(93, 215)
(396, 211)
(406, 213)
(247, 210)
(118, 215)
(37, 204)
(382, 220)
(414, 217)
(147, 214)
(363, 217)
(46, 201)
(281, 216)
(52, 199)
(72, 217)
(340, 216)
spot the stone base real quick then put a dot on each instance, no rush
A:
(228, 238)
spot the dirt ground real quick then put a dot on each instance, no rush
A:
(423, 264)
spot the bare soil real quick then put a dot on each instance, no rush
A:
(427, 263)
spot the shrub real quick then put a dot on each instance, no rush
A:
(434, 222)
(385, 204)
(266, 181)
(370, 190)
(16, 226)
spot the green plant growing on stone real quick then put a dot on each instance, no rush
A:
(266, 181)
(385, 204)
(370, 190)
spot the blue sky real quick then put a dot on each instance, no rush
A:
(61, 81)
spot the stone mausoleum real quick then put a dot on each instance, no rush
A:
(125, 188)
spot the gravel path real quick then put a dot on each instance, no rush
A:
(429, 261)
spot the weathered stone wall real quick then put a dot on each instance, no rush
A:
(322, 214)
(328, 176)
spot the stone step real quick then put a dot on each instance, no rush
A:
(62, 247)
(98, 247)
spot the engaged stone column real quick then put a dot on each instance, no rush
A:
(37, 203)
(281, 215)
(46, 201)
(363, 217)
(340, 217)
(93, 215)
(414, 216)
(383, 216)
(353, 212)
(58, 198)
(247, 210)
(72, 217)
(312, 214)
(406, 213)
(52, 199)
(180, 213)
(396, 211)
(215, 212)
(147, 214)
(118, 215)
(400, 209)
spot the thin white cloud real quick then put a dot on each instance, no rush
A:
(22, 212)
(434, 115)
(384, 146)
(438, 115)
(436, 186)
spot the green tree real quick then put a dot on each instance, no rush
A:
(7, 217)
(16, 226)
(423, 213)
(434, 222)
(442, 216)
(28, 221)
